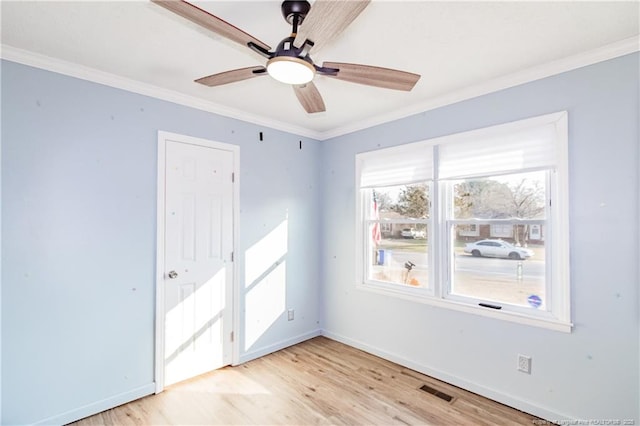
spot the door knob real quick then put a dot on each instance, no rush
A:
(172, 275)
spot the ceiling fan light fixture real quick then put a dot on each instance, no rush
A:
(290, 69)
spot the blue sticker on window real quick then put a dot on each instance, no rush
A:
(534, 301)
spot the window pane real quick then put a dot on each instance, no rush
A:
(519, 196)
(498, 270)
(399, 202)
(399, 256)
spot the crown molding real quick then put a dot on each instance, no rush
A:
(604, 53)
(610, 51)
(82, 72)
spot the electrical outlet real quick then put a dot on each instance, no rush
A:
(524, 363)
(290, 315)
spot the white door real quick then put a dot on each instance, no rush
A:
(198, 247)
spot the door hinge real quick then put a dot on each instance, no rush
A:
(233, 177)
(232, 336)
(232, 256)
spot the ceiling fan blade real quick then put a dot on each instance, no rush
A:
(209, 21)
(374, 76)
(326, 20)
(232, 76)
(309, 97)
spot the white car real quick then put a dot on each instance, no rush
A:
(408, 233)
(420, 234)
(497, 248)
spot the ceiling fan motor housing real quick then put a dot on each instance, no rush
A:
(292, 8)
(286, 48)
(289, 64)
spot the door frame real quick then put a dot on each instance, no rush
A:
(163, 137)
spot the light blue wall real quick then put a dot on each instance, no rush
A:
(78, 236)
(591, 373)
(0, 256)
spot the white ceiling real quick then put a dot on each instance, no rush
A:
(455, 46)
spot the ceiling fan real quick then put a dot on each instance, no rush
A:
(312, 28)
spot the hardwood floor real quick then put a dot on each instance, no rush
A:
(319, 381)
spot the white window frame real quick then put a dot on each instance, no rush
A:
(383, 168)
(556, 229)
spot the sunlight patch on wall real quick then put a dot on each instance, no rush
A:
(260, 257)
(266, 283)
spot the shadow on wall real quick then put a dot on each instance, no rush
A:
(265, 291)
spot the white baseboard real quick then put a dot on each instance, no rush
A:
(248, 356)
(149, 389)
(98, 406)
(476, 388)
(123, 398)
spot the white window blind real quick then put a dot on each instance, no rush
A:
(395, 166)
(527, 149)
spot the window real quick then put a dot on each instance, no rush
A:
(471, 230)
(476, 221)
(386, 229)
(501, 230)
(535, 232)
(395, 219)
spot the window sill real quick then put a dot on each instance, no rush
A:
(424, 296)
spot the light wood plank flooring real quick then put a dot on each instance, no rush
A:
(319, 381)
